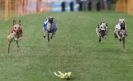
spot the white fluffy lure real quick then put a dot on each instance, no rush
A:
(64, 76)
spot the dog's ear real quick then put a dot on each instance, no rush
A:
(101, 23)
(98, 25)
(19, 22)
(14, 21)
(106, 24)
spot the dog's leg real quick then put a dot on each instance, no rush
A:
(9, 44)
(44, 34)
(17, 43)
(8, 47)
(9, 39)
(52, 35)
(48, 37)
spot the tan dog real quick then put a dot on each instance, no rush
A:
(64, 76)
(15, 34)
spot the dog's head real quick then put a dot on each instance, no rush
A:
(16, 25)
(103, 25)
(50, 19)
(122, 20)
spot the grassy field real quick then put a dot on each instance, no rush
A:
(75, 48)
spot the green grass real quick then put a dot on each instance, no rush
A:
(75, 48)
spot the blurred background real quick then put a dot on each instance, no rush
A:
(14, 8)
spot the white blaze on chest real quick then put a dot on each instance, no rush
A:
(118, 26)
